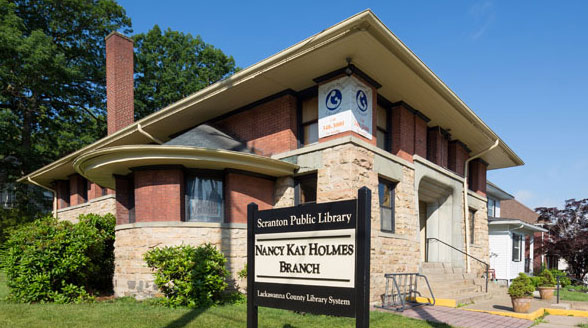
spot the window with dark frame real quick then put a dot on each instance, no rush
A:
(516, 247)
(386, 196)
(309, 123)
(204, 197)
(382, 132)
(305, 189)
(472, 219)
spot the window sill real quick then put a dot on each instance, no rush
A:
(181, 224)
(391, 235)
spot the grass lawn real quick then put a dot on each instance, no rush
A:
(566, 295)
(129, 313)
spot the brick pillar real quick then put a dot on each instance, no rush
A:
(458, 153)
(420, 135)
(94, 191)
(119, 82)
(403, 131)
(477, 176)
(78, 192)
(437, 146)
(62, 189)
(124, 199)
(159, 194)
(243, 189)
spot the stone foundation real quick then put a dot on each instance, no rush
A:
(101, 206)
(132, 277)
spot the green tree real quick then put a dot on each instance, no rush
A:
(171, 65)
(52, 81)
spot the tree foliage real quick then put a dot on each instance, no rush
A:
(568, 234)
(171, 65)
(52, 81)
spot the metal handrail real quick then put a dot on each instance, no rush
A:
(466, 254)
(584, 284)
(405, 292)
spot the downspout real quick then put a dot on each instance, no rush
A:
(143, 132)
(51, 190)
(466, 209)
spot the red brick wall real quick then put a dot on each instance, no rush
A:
(458, 153)
(420, 136)
(403, 132)
(62, 189)
(241, 190)
(159, 195)
(269, 128)
(477, 176)
(437, 146)
(94, 191)
(124, 188)
(77, 190)
(119, 82)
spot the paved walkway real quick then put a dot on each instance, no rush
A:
(464, 319)
(554, 321)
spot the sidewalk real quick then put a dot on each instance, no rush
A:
(554, 321)
(464, 319)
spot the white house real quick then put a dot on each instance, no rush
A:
(511, 240)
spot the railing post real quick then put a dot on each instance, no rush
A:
(558, 289)
(487, 272)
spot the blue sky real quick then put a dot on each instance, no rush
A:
(520, 65)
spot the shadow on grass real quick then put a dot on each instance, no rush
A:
(184, 320)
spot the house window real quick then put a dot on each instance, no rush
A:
(305, 189)
(517, 242)
(204, 198)
(309, 121)
(491, 207)
(472, 219)
(383, 133)
(386, 195)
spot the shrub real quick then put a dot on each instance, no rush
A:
(547, 279)
(57, 261)
(563, 279)
(189, 276)
(521, 286)
(535, 281)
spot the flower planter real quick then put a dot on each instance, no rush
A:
(546, 292)
(521, 305)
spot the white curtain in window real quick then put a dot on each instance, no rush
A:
(205, 199)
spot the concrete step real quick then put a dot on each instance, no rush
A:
(454, 293)
(473, 298)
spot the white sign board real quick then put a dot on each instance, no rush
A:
(319, 258)
(345, 104)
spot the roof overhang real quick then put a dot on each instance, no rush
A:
(100, 166)
(494, 191)
(372, 47)
(515, 224)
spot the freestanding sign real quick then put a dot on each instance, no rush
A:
(311, 258)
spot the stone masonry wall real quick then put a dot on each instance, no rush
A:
(481, 246)
(345, 169)
(132, 277)
(101, 206)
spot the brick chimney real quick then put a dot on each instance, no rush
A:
(119, 81)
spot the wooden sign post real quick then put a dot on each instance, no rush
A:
(311, 258)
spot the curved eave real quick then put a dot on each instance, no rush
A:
(100, 166)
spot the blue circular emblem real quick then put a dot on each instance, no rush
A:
(361, 99)
(334, 99)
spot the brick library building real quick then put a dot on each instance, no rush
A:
(349, 107)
